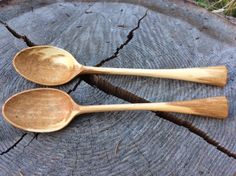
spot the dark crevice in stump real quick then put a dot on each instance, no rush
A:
(129, 38)
(34, 137)
(115, 54)
(17, 35)
(14, 145)
(76, 85)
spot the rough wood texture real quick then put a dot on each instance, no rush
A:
(173, 34)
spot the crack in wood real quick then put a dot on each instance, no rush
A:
(110, 89)
(17, 35)
(75, 86)
(114, 55)
(34, 137)
(129, 38)
(14, 145)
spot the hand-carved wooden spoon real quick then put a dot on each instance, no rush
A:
(47, 110)
(50, 65)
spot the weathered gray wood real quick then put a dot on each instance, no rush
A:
(148, 144)
(8, 75)
(13, 8)
(167, 42)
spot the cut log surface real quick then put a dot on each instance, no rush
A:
(137, 34)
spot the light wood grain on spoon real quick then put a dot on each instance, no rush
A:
(48, 110)
(49, 65)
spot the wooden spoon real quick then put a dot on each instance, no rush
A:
(48, 110)
(49, 65)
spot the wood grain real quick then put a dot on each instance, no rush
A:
(38, 110)
(208, 75)
(216, 107)
(46, 65)
(150, 145)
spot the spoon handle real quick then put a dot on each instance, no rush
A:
(216, 107)
(216, 75)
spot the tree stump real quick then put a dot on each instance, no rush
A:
(131, 34)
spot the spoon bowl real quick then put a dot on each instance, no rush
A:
(48, 110)
(46, 65)
(49, 65)
(39, 110)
